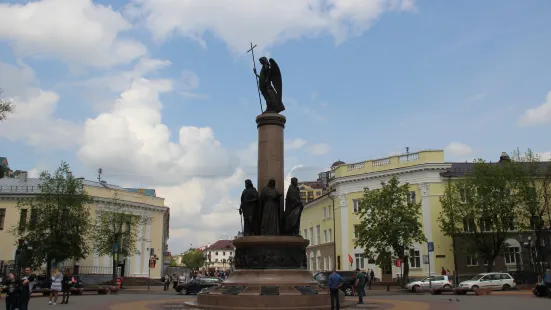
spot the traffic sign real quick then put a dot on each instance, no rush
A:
(116, 248)
(431, 246)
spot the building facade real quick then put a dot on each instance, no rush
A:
(220, 255)
(317, 226)
(152, 236)
(310, 190)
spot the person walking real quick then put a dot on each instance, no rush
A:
(334, 282)
(26, 289)
(371, 277)
(547, 281)
(167, 282)
(174, 281)
(57, 279)
(12, 290)
(360, 285)
(66, 286)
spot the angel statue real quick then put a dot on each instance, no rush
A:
(269, 84)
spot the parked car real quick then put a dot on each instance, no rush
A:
(196, 285)
(494, 280)
(348, 285)
(430, 282)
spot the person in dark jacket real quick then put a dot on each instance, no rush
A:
(66, 285)
(12, 290)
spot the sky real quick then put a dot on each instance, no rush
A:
(161, 94)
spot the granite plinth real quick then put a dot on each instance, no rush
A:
(253, 288)
(270, 252)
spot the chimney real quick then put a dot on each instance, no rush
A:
(22, 176)
(504, 157)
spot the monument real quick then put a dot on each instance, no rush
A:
(270, 259)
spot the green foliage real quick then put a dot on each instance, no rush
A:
(58, 218)
(390, 223)
(193, 259)
(483, 207)
(117, 225)
(173, 262)
(6, 107)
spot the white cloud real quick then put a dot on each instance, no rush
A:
(319, 149)
(265, 23)
(544, 156)
(15, 79)
(295, 144)
(75, 31)
(458, 151)
(538, 115)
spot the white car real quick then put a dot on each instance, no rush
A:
(430, 282)
(494, 280)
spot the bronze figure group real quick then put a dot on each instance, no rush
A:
(264, 215)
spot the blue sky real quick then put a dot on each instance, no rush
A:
(361, 80)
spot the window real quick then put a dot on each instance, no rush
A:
(325, 236)
(511, 224)
(325, 265)
(485, 224)
(414, 258)
(330, 235)
(311, 235)
(356, 231)
(318, 193)
(356, 204)
(318, 234)
(216, 253)
(471, 261)
(359, 261)
(463, 195)
(411, 197)
(223, 253)
(32, 223)
(468, 225)
(329, 212)
(324, 212)
(2, 218)
(305, 233)
(511, 255)
(23, 219)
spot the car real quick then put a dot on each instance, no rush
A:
(197, 285)
(348, 285)
(430, 282)
(494, 280)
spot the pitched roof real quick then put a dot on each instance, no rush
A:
(30, 185)
(221, 245)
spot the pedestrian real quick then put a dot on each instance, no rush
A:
(547, 281)
(334, 282)
(66, 286)
(360, 285)
(443, 271)
(371, 277)
(167, 282)
(26, 289)
(57, 279)
(12, 290)
(174, 281)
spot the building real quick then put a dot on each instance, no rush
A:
(220, 255)
(347, 182)
(317, 226)
(310, 190)
(153, 236)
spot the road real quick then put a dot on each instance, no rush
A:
(157, 301)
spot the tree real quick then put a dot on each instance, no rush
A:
(173, 262)
(389, 224)
(193, 259)
(535, 195)
(6, 107)
(59, 221)
(482, 208)
(116, 230)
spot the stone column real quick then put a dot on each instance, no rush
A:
(270, 149)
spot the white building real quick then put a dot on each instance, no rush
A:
(220, 254)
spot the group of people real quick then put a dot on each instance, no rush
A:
(18, 292)
(335, 282)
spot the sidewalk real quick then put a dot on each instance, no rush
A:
(144, 289)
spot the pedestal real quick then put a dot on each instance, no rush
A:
(258, 283)
(270, 149)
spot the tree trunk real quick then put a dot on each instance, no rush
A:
(405, 271)
(48, 267)
(490, 264)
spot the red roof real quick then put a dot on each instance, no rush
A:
(221, 245)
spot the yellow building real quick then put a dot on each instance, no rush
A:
(152, 236)
(310, 190)
(317, 225)
(347, 181)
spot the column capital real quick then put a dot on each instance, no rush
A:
(270, 119)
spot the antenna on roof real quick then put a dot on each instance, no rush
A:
(100, 172)
(407, 149)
